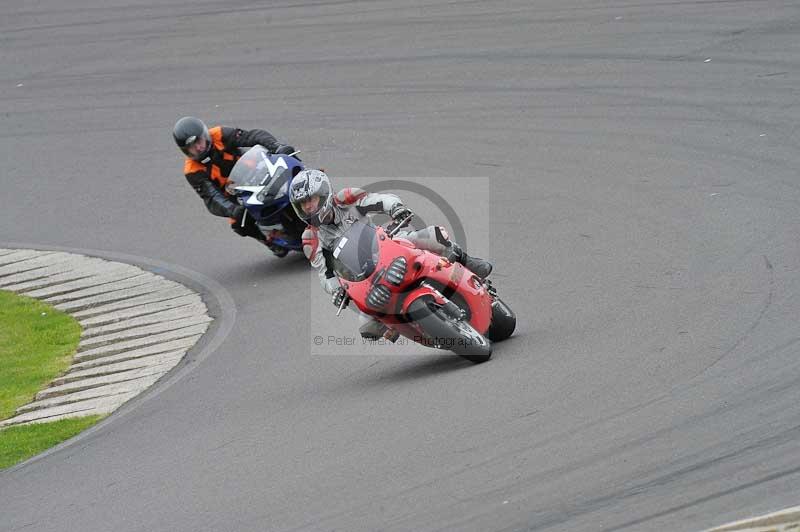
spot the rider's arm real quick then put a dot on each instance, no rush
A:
(367, 202)
(241, 138)
(216, 201)
(320, 259)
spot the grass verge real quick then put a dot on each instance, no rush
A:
(20, 442)
(37, 343)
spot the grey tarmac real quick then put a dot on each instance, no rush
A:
(642, 206)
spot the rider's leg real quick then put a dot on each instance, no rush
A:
(436, 240)
(369, 327)
(252, 230)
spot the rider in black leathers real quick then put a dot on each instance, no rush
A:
(210, 156)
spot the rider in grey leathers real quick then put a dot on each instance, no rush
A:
(330, 215)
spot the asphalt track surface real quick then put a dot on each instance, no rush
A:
(644, 219)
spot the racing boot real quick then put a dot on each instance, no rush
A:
(372, 330)
(481, 268)
(277, 250)
(382, 333)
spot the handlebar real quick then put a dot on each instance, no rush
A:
(400, 225)
(342, 304)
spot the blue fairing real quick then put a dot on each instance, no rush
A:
(269, 213)
(266, 176)
(295, 244)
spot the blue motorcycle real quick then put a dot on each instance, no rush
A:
(260, 182)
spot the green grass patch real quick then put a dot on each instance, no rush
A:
(37, 343)
(19, 443)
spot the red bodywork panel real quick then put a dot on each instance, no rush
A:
(427, 274)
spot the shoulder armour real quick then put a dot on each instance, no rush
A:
(348, 196)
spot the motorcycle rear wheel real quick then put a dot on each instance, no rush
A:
(504, 321)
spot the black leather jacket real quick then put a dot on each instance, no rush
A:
(208, 177)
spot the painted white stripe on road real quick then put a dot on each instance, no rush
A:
(91, 318)
(139, 384)
(90, 286)
(108, 369)
(157, 297)
(96, 382)
(29, 264)
(103, 405)
(21, 255)
(130, 345)
(143, 332)
(164, 316)
(50, 276)
(183, 343)
(155, 288)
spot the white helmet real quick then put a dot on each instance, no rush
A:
(311, 196)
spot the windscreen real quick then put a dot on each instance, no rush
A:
(257, 168)
(356, 253)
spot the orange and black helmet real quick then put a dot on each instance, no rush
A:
(188, 131)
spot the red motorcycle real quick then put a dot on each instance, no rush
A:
(419, 294)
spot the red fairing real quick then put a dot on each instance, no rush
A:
(426, 275)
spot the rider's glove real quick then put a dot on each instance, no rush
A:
(236, 220)
(339, 296)
(285, 149)
(400, 212)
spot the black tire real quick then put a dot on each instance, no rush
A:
(504, 321)
(445, 332)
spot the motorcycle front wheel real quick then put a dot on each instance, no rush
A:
(443, 331)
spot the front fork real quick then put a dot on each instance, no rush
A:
(426, 290)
